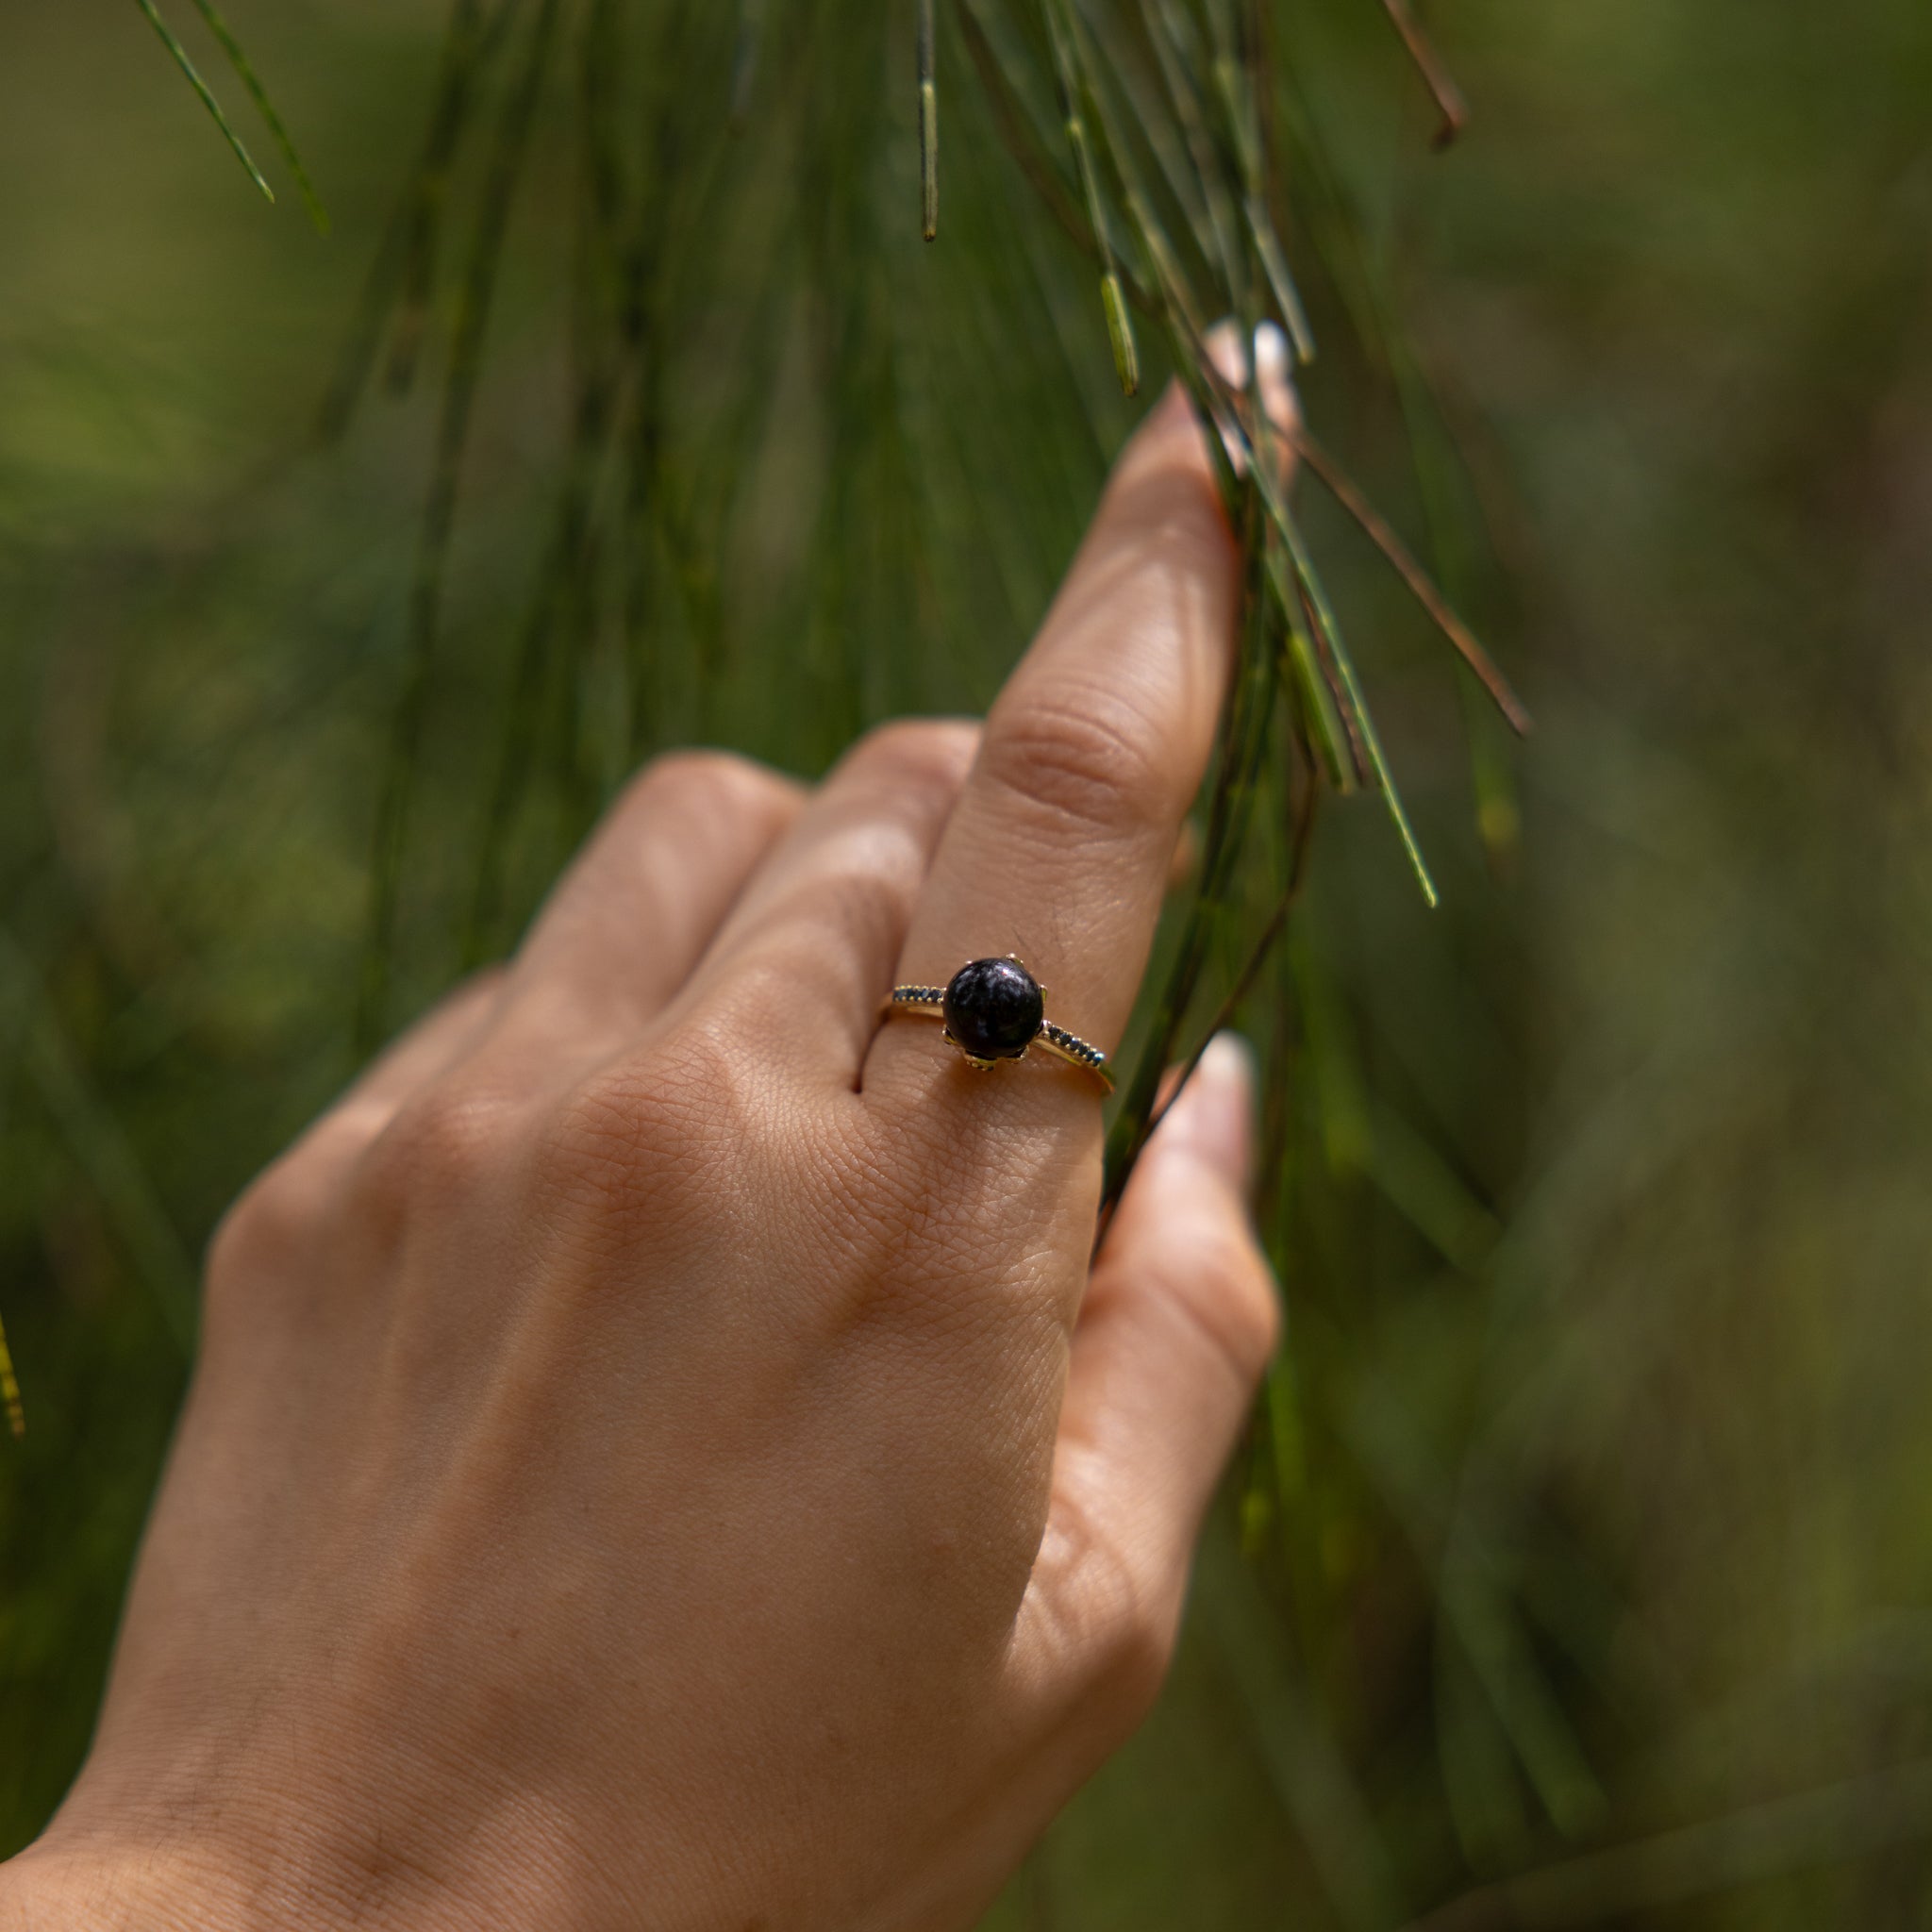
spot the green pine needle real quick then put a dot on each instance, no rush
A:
(207, 99)
(928, 127)
(1372, 739)
(1120, 329)
(1120, 333)
(10, 1391)
(266, 108)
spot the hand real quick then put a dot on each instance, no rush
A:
(660, 1457)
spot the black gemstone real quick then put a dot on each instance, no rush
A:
(994, 1008)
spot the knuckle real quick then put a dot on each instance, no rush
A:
(861, 907)
(1256, 1317)
(272, 1224)
(934, 752)
(709, 783)
(638, 1144)
(795, 958)
(441, 1147)
(958, 1206)
(1082, 755)
(1125, 1627)
(1228, 1297)
(716, 1055)
(277, 1224)
(1135, 1664)
(606, 1137)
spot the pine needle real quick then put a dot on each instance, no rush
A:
(1120, 330)
(1428, 63)
(928, 129)
(1377, 528)
(206, 94)
(266, 108)
(9, 1391)
(1330, 635)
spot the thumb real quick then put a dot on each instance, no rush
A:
(1179, 1321)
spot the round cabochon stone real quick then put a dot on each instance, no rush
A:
(994, 1008)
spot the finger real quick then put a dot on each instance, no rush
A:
(1060, 848)
(1179, 1321)
(633, 915)
(444, 1035)
(818, 930)
(440, 1038)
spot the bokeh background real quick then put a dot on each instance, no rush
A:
(1580, 1568)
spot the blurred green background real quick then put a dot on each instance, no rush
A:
(1580, 1571)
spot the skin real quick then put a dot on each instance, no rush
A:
(662, 1453)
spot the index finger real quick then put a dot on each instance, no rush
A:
(1059, 849)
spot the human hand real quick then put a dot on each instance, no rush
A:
(661, 1454)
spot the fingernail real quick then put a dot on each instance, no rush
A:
(1218, 1106)
(1228, 354)
(1225, 349)
(1270, 351)
(1275, 381)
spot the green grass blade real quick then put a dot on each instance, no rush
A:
(1120, 329)
(266, 108)
(928, 129)
(100, 1149)
(1120, 332)
(1274, 266)
(1382, 534)
(1428, 64)
(201, 87)
(1371, 741)
(744, 59)
(1197, 371)
(475, 308)
(1320, 718)
(1167, 35)
(1299, 1755)
(9, 1391)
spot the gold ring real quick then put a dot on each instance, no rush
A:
(994, 1009)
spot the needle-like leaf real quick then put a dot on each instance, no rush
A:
(266, 108)
(206, 94)
(1377, 528)
(928, 127)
